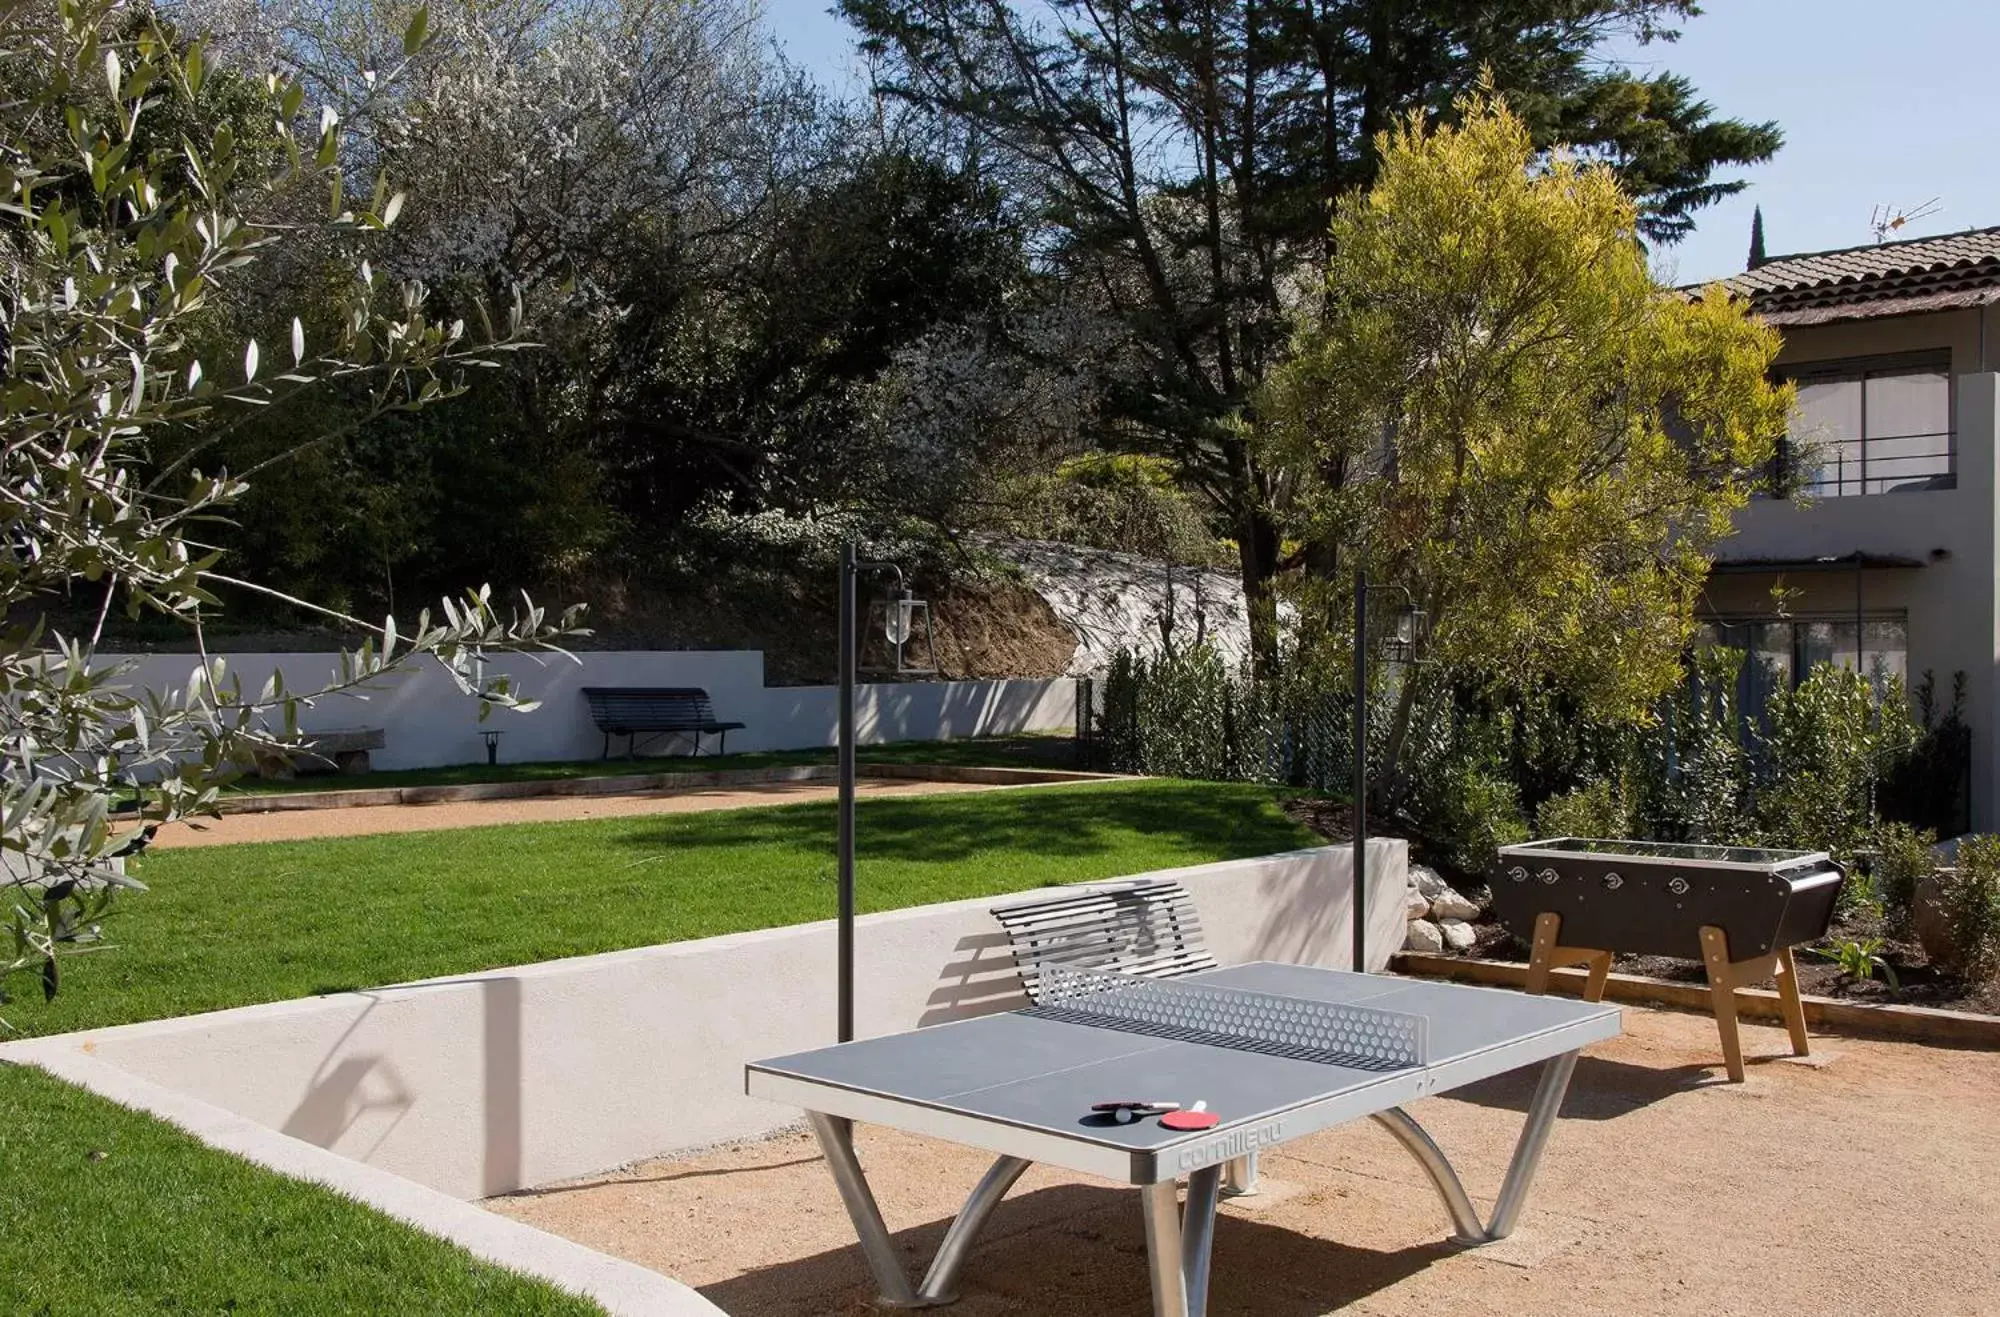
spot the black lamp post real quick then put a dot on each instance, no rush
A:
(900, 616)
(1409, 624)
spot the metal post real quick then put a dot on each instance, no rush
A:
(845, 845)
(1360, 906)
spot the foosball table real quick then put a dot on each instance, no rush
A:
(1739, 910)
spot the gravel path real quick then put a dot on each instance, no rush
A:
(1868, 1185)
(360, 820)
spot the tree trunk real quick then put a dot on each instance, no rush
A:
(1257, 554)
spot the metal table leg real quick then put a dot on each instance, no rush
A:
(1198, 1236)
(941, 1281)
(1161, 1206)
(1179, 1244)
(1528, 1149)
(836, 1140)
(1465, 1224)
(1239, 1176)
(1556, 1072)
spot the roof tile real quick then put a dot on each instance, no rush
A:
(1892, 271)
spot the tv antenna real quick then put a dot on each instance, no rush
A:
(1887, 221)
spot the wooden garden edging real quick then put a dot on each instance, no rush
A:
(1922, 1024)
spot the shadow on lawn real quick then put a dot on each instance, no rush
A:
(1077, 1251)
(1228, 821)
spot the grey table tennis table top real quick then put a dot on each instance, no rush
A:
(1021, 1085)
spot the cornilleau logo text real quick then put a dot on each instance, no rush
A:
(1237, 1143)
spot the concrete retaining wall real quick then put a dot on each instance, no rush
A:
(491, 1082)
(429, 723)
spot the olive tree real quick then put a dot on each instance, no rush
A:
(131, 165)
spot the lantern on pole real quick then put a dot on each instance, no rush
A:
(905, 623)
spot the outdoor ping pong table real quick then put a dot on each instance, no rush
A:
(1275, 1051)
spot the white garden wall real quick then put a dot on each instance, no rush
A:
(429, 723)
(491, 1082)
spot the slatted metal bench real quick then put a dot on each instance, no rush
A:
(653, 712)
(1146, 927)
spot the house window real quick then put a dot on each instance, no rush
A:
(1779, 654)
(1873, 427)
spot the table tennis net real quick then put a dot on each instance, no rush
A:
(1331, 1033)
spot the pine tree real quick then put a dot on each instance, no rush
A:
(1757, 256)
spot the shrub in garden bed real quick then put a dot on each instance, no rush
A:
(1957, 911)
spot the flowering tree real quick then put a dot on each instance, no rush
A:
(132, 166)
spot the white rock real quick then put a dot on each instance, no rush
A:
(1424, 936)
(1458, 934)
(1453, 906)
(1426, 880)
(1415, 904)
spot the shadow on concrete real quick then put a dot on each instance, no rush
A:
(500, 1062)
(349, 1085)
(1078, 1251)
(345, 1088)
(980, 979)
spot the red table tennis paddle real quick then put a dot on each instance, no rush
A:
(1196, 1117)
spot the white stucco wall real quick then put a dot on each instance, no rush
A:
(429, 723)
(491, 1082)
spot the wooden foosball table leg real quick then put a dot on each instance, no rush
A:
(1548, 954)
(1788, 999)
(1600, 974)
(1542, 956)
(1722, 996)
(1725, 976)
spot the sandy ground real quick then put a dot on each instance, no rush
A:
(354, 821)
(1868, 1184)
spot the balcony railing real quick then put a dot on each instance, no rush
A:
(1880, 466)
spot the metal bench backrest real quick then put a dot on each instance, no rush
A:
(649, 707)
(1145, 928)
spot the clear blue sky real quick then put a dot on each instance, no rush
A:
(1893, 101)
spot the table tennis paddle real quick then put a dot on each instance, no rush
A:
(1196, 1117)
(1124, 1113)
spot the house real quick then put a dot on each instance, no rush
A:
(1891, 562)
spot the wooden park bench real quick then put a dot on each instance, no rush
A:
(653, 712)
(1146, 927)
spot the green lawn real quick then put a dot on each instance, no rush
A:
(108, 1212)
(230, 925)
(1005, 751)
(161, 1223)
